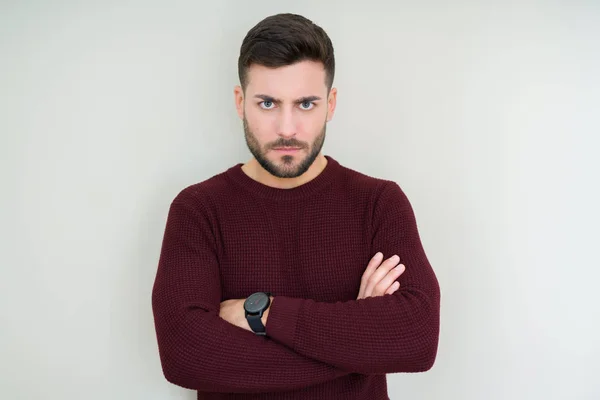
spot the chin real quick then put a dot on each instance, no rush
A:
(289, 159)
(287, 165)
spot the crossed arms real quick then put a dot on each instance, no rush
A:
(308, 342)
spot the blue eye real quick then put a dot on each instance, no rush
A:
(266, 104)
(309, 105)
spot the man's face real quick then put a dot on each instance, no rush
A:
(286, 107)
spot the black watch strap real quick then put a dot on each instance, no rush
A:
(256, 324)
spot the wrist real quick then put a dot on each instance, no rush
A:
(265, 315)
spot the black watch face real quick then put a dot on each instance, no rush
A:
(256, 302)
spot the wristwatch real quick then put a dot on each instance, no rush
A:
(254, 307)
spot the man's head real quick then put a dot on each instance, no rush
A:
(285, 98)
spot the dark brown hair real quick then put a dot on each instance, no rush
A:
(285, 39)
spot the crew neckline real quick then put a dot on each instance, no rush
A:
(259, 189)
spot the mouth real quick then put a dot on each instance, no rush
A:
(287, 149)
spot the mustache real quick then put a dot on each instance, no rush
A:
(288, 144)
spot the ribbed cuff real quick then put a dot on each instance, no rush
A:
(283, 319)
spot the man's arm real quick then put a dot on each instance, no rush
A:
(391, 333)
(198, 349)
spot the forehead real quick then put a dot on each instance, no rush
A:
(300, 79)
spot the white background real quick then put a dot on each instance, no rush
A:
(485, 113)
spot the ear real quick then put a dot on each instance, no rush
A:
(331, 102)
(238, 95)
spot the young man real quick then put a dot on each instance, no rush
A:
(292, 276)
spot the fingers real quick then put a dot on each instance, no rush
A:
(380, 273)
(371, 267)
(393, 288)
(388, 280)
(380, 278)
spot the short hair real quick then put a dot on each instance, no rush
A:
(285, 39)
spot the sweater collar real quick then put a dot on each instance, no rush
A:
(324, 179)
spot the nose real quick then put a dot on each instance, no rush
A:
(287, 126)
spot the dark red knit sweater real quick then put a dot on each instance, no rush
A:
(230, 236)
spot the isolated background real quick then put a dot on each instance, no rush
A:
(485, 112)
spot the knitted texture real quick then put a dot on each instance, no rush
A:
(230, 236)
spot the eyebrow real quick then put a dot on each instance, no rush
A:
(278, 101)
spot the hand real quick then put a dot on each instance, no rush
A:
(379, 281)
(233, 312)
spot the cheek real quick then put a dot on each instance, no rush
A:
(313, 124)
(260, 123)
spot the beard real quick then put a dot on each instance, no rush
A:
(289, 167)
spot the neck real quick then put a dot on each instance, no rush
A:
(255, 171)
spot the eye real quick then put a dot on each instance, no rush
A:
(307, 105)
(267, 105)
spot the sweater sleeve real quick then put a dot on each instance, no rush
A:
(197, 348)
(385, 334)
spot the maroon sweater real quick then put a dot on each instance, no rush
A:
(230, 236)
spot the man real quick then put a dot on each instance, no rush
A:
(292, 276)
